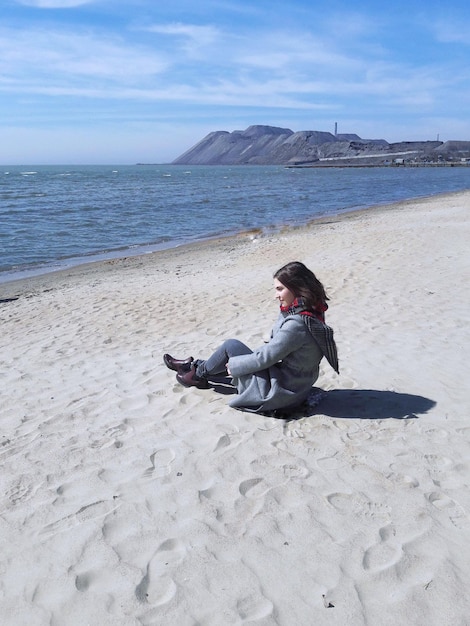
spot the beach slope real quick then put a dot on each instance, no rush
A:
(129, 499)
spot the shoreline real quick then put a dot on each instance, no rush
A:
(13, 279)
(374, 165)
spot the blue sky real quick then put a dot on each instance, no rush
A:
(121, 81)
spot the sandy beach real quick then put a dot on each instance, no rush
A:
(127, 499)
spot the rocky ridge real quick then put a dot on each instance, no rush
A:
(270, 145)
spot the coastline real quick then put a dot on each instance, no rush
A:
(129, 499)
(15, 281)
(319, 195)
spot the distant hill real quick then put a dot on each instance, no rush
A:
(269, 145)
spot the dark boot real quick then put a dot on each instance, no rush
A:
(177, 365)
(190, 379)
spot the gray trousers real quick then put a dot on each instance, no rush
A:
(216, 364)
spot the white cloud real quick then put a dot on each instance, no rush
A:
(452, 32)
(293, 52)
(204, 67)
(33, 58)
(275, 70)
(196, 39)
(199, 34)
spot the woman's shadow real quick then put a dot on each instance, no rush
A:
(366, 404)
(348, 403)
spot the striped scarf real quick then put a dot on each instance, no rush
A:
(321, 332)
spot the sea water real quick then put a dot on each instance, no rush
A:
(55, 216)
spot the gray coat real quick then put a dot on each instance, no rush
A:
(281, 373)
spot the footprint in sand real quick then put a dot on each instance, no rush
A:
(451, 508)
(437, 462)
(223, 442)
(295, 433)
(253, 488)
(342, 502)
(291, 470)
(357, 436)
(359, 506)
(157, 587)
(253, 608)
(438, 435)
(161, 461)
(329, 462)
(384, 554)
(259, 487)
(23, 489)
(16, 445)
(404, 479)
(86, 513)
(231, 437)
(114, 436)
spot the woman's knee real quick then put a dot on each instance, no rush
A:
(234, 347)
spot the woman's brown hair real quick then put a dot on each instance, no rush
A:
(303, 283)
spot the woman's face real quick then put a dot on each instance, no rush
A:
(284, 295)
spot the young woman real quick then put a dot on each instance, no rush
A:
(280, 374)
